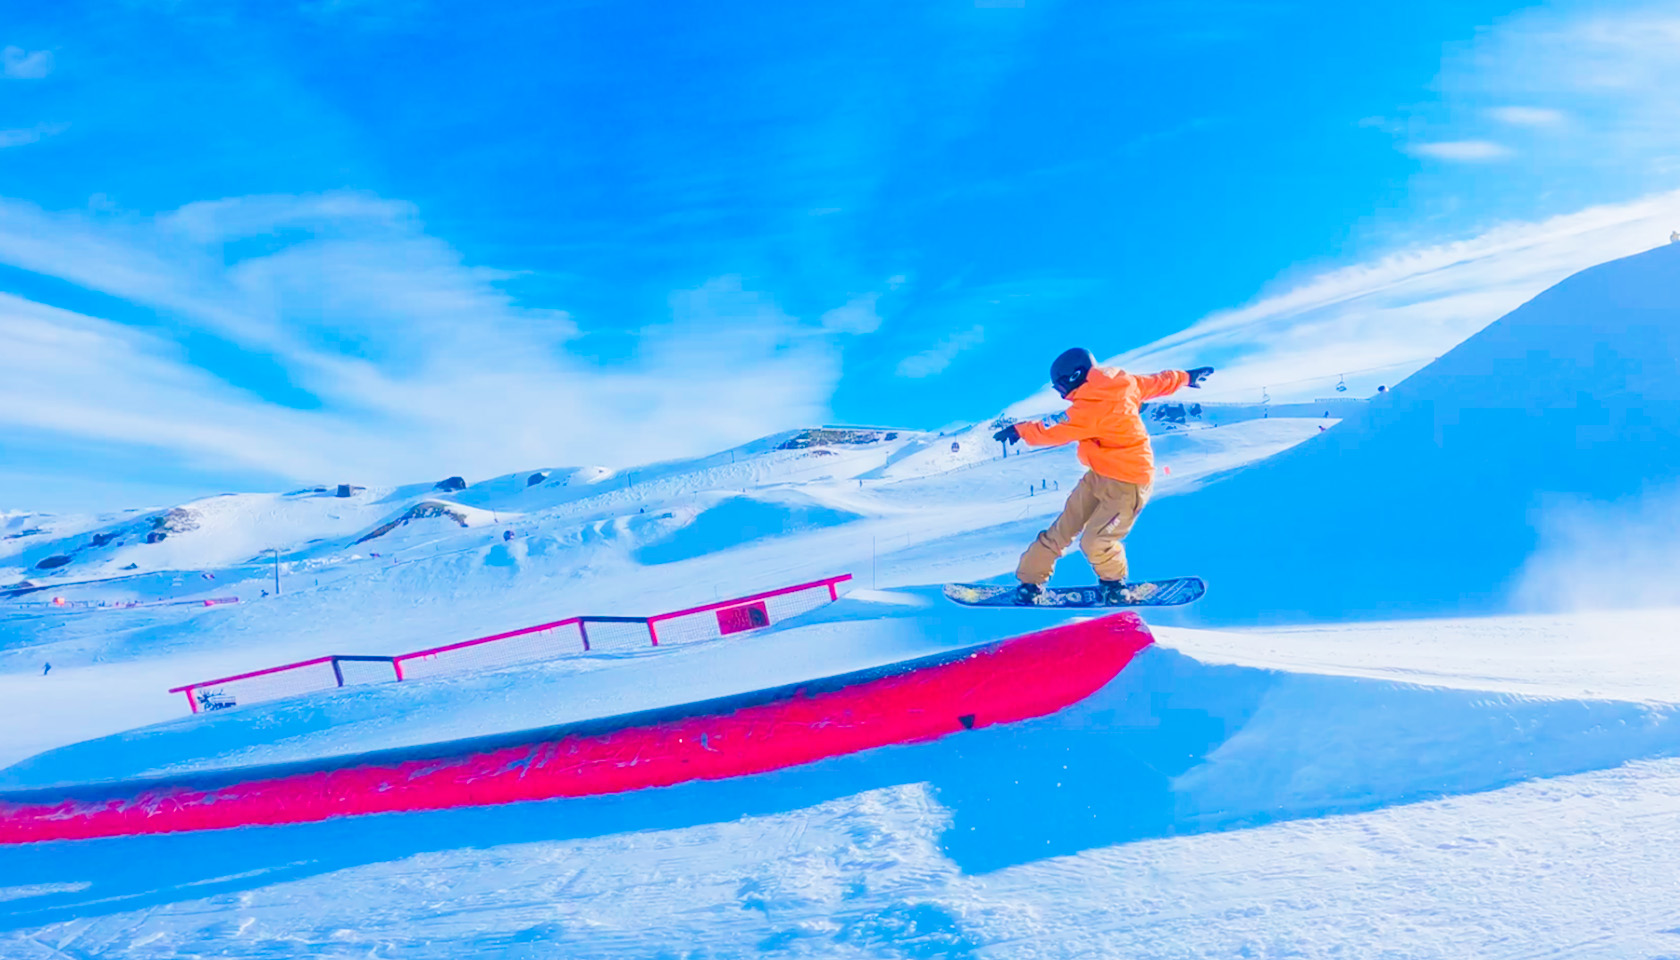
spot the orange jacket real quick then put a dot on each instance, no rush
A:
(1104, 419)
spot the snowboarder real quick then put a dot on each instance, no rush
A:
(1114, 445)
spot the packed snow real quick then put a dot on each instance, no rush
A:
(1389, 730)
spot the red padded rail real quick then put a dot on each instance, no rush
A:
(1010, 680)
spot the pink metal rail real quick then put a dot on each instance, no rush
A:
(283, 680)
(527, 644)
(755, 603)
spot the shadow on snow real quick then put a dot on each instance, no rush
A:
(1173, 746)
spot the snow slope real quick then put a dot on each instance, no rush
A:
(1429, 501)
(1189, 809)
(863, 630)
(584, 542)
(1358, 782)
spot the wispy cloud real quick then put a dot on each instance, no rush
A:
(421, 364)
(1460, 151)
(1527, 116)
(1380, 321)
(939, 356)
(1611, 73)
(20, 64)
(26, 135)
(856, 315)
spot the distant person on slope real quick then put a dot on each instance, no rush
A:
(1113, 443)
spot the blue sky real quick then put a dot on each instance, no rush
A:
(246, 246)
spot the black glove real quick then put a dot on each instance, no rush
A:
(1198, 375)
(1007, 435)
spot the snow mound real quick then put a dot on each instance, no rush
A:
(430, 510)
(1426, 501)
(738, 520)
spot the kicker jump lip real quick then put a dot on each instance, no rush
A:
(906, 702)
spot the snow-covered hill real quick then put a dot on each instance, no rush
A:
(383, 571)
(1474, 785)
(1431, 500)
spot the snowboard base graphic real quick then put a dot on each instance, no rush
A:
(1146, 593)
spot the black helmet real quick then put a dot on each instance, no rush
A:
(1070, 370)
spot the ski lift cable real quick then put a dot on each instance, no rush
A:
(1343, 376)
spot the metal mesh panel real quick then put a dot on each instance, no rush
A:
(687, 628)
(366, 671)
(612, 637)
(522, 647)
(785, 605)
(734, 618)
(272, 685)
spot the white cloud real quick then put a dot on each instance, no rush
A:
(939, 356)
(1460, 151)
(1527, 116)
(21, 136)
(96, 380)
(422, 364)
(1380, 321)
(857, 315)
(1612, 74)
(20, 64)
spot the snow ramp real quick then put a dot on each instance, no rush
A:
(1429, 501)
(1178, 756)
(916, 700)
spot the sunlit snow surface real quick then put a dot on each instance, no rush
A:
(1443, 786)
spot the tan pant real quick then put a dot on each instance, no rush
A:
(1100, 512)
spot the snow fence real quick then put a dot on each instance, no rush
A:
(544, 641)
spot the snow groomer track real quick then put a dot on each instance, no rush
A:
(906, 702)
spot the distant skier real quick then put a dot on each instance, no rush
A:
(1114, 444)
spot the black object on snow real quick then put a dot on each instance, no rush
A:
(1169, 412)
(827, 436)
(449, 484)
(53, 562)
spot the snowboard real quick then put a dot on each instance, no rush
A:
(1146, 593)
